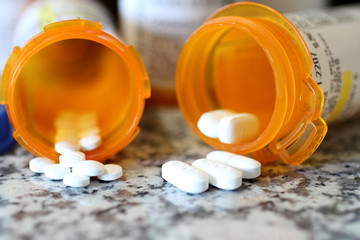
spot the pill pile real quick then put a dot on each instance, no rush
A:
(228, 126)
(75, 132)
(74, 169)
(221, 169)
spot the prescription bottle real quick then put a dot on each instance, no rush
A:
(158, 30)
(293, 72)
(67, 58)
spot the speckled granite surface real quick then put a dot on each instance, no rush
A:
(317, 200)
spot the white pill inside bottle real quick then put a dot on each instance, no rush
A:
(238, 128)
(90, 142)
(209, 121)
(66, 146)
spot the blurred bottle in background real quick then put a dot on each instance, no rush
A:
(158, 29)
(10, 11)
(293, 5)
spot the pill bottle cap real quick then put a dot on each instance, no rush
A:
(6, 139)
(248, 57)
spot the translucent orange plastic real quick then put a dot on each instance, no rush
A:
(74, 65)
(249, 58)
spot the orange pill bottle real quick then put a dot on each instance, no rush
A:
(292, 72)
(67, 57)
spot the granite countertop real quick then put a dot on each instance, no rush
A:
(319, 199)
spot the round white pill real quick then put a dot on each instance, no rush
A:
(185, 177)
(90, 168)
(39, 164)
(249, 167)
(220, 175)
(112, 172)
(65, 146)
(90, 142)
(76, 180)
(238, 128)
(209, 121)
(56, 171)
(71, 159)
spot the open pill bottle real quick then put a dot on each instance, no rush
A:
(292, 72)
(67, 58)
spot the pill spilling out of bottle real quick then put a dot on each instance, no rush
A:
(221, 169)
(228, 126)
(75, 132)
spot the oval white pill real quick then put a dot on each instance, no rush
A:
(56, 171)
(71, 159)
(65, 146)
(249, 167)
(185, 177)
(76, 180)
(90, 168)
(90, 142)
(39, 164)
(112, 172)
(209, 121)
(220, 175)
(238, 128)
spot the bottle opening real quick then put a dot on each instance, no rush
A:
(79, 76)
(226, 66)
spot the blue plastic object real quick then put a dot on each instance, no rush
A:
(6, 138)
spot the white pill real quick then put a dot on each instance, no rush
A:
(249, 167)
(90, 168)
(76, 180)
(238, 128)
(90, 142)
(209, 121)
(112, 172)
(71, 159)
(185, 177)
(39, 164)
(220, 175)
(66, 146)
(56, 171)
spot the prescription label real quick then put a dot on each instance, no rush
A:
(42, 13)
(333, 38)
(159, 29)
